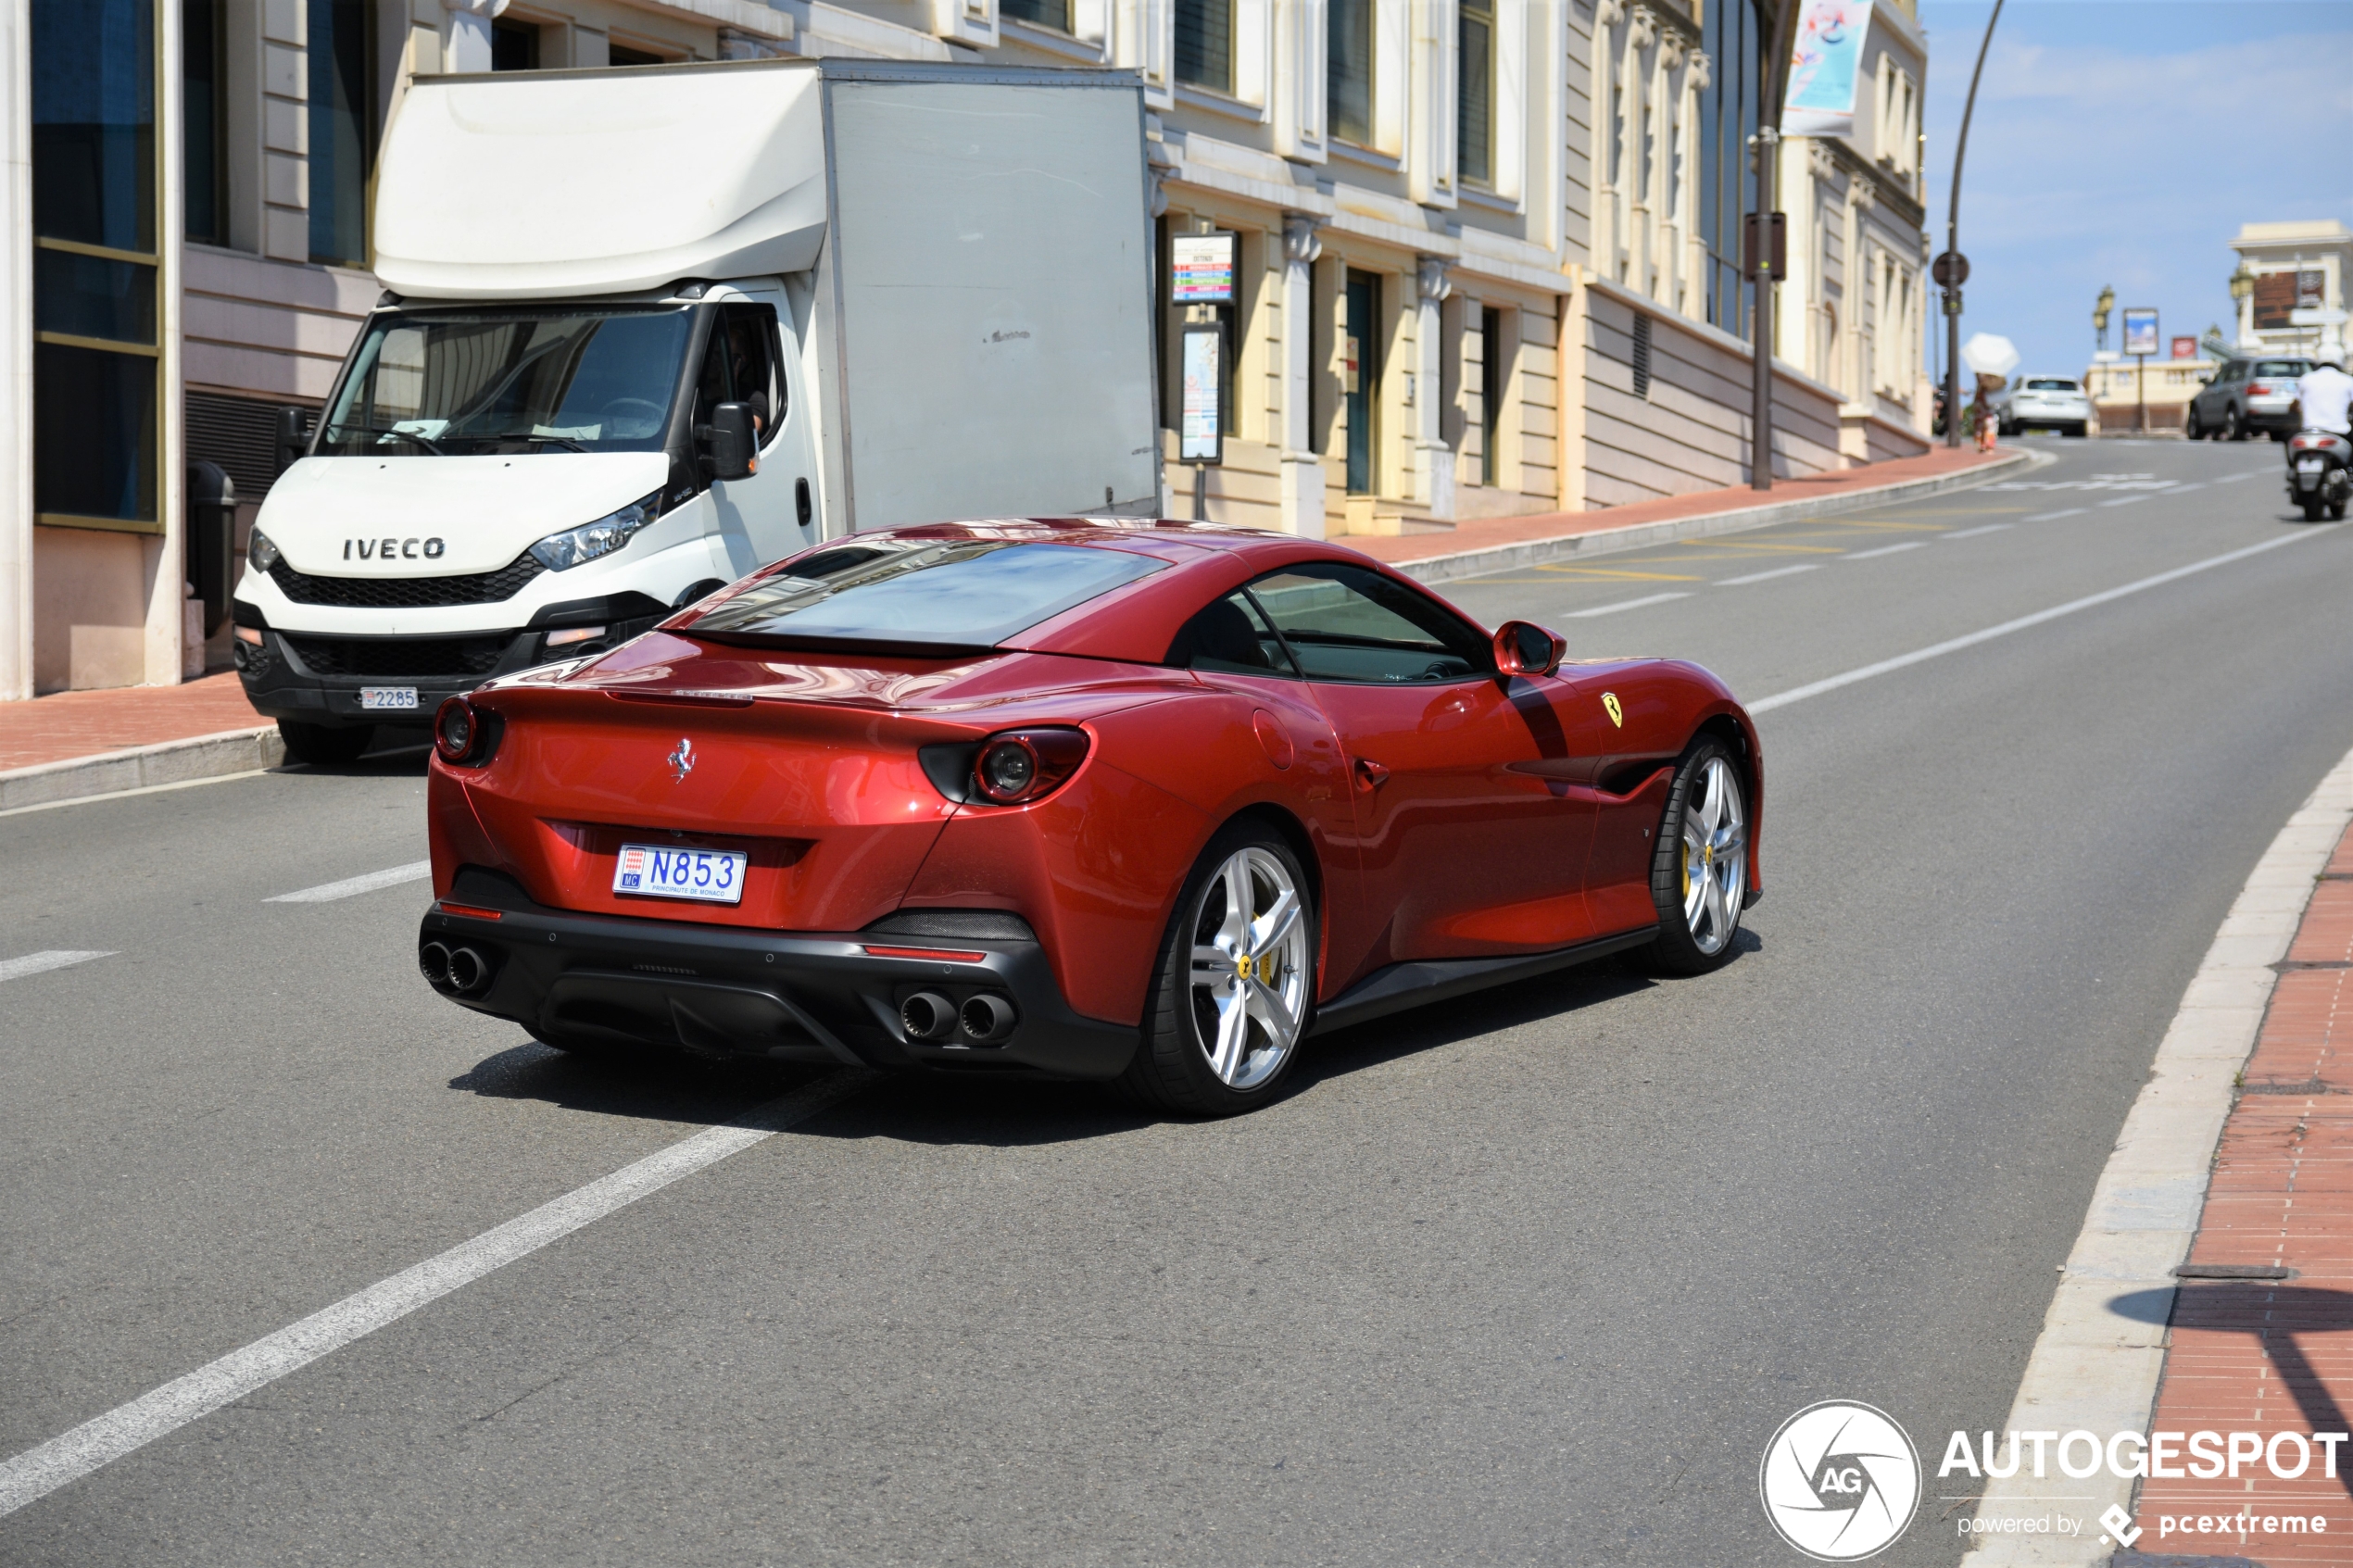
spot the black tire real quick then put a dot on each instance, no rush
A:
(323, 743)
(2314, 508)
(1679, 948)
(2191, 429)
(2234, 426)
(2077, 432)
(2337, 511)
(1170, 1070)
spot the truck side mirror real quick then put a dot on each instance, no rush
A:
(731, 443)
(294, 436)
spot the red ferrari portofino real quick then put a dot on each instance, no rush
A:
(1147, 802)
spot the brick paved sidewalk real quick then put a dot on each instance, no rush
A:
(2273, 1356)
(70, 724)
(1487, 533)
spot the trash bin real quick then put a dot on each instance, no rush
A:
(212, 539)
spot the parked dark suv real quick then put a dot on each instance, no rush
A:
(2244, 396)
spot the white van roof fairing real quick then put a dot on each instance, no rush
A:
(556, 184)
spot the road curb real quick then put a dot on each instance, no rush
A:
(2091, 1368)
(1534, 552)
(143, 767)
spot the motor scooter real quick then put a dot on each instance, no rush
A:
(2319, 473)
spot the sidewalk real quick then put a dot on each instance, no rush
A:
(2274, 1356)
(77, 744)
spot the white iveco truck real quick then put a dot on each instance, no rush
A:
(649, 329)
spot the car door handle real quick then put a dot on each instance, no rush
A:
(1371, 772)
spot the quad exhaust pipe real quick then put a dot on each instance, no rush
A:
(453, 971)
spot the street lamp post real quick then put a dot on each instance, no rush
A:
(1958, 269)
(2100, 307)
(2242, 285)
(1761, 254)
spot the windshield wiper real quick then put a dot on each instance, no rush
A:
(372, 430)
(548, 440)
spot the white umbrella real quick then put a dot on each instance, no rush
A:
(1989, 355)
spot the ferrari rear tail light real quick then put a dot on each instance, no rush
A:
(464, 735)
(1024, 765)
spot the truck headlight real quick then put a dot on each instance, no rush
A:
(558, 552)
(259, 552)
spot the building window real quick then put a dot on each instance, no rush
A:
(342, 131)
(1360, 380)
(1475, 94)
(204, 150)
(1206, 44)
(1641, 356)
(95, 268)
(1045, 13)
(1724, 179)
(1349, 70)
(1491, 379)
(514, 47)
(622, 55)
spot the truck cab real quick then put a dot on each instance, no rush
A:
(590, 398)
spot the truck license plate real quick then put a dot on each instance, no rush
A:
(379, 699)
(710, 876)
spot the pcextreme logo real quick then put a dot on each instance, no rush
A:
(1840, 1481)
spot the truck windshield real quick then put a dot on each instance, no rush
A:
(429, 384)
(919, 593)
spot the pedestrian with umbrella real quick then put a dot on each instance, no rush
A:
(1991, 360)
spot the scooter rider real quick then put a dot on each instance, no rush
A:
(2324, 397)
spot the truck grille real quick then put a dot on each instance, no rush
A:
(392, 657)
(407, 593)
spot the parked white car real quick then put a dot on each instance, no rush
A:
(2046, 403)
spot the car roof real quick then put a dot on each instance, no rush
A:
(1136, 622)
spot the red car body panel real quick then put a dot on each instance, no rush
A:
(1465, 820)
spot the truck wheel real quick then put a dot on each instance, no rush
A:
(318, 743)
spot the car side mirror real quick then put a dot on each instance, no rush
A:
(294, 436)
(731, 441)
(1522, 647)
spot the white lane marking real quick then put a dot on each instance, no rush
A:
(1919, 656)
(1973, 533)
(2123, 500)
(2054, 517)
(1887, 549)
(2091, 1366)
(350, 886)
(103, 1440)
(1767, 576)
(1625, 604)
(41, 964)
(126, 794)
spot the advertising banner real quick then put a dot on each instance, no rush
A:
(2140, 332)
(1201, 428)
(1823, 68)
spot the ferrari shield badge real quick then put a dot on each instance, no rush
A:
(1609, 706)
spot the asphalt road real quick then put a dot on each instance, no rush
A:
(1529, 1277)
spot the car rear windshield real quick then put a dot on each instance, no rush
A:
(2046, 384)
(920, 592)
(2281, 367)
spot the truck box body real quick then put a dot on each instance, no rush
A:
(931, 284)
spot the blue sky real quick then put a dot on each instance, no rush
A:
(2123, 142)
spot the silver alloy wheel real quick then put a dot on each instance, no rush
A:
(1715, 856)
(1250, 968)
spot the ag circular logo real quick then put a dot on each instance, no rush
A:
(1840, 1481)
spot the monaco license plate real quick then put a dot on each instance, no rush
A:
(2308, 465)
(710, 876)
(386, 699)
